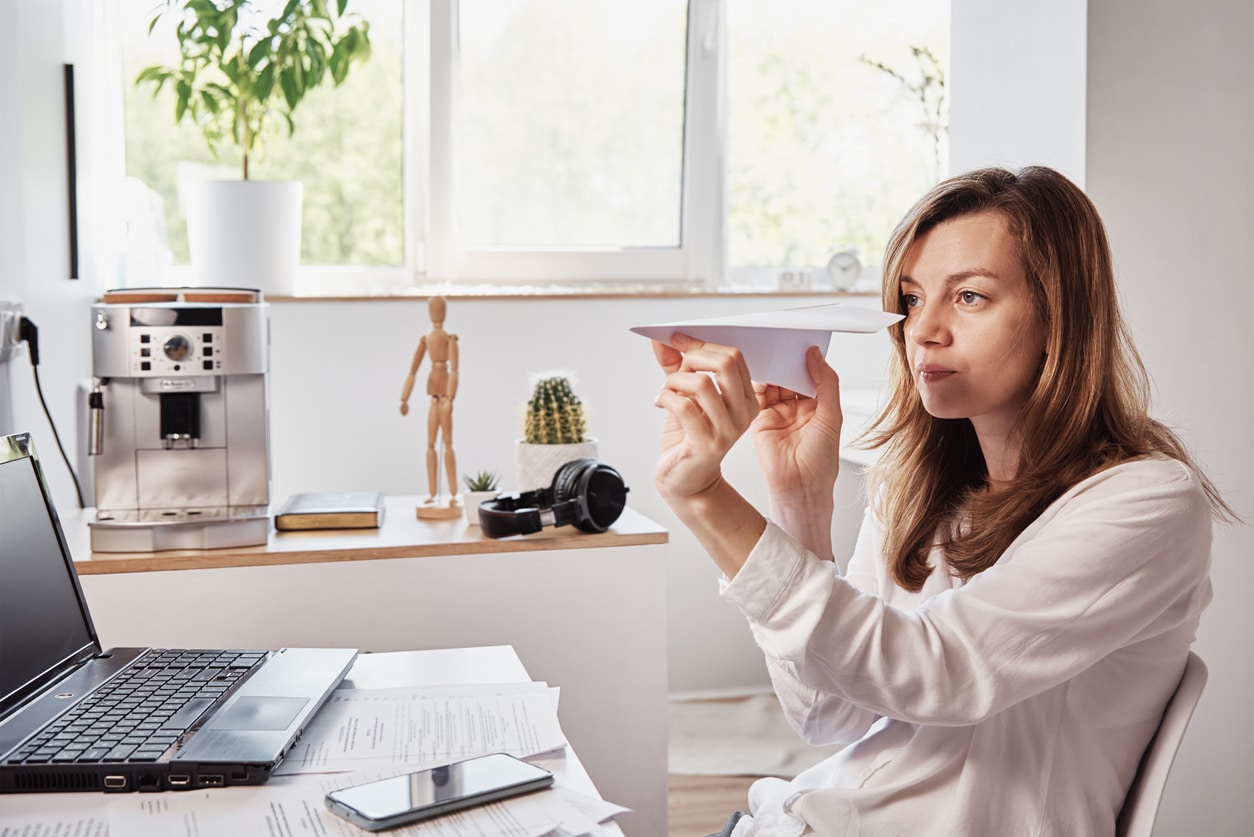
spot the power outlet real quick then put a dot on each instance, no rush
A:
(10, 328)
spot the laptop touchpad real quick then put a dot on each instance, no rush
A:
(260, 713)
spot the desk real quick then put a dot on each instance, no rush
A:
(498, 664)
(587, 618)
(402, 535)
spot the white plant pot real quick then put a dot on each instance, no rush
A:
(470, 502)
(245, 233)
(538, 463)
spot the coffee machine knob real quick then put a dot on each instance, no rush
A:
(177, 347)
(102, 321)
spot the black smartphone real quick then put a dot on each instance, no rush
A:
(388, 803)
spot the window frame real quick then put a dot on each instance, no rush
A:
(437, 255)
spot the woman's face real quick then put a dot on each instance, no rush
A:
(974, 341)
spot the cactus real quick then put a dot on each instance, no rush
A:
(482, 481)
(555, 415)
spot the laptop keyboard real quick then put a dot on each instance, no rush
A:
(138, 715)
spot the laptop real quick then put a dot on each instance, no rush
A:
(75, 717)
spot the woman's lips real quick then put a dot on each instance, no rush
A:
(930, 373)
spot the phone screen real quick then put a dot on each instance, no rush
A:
(427, 793)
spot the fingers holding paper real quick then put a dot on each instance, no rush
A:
(797, 438)
(710, 401)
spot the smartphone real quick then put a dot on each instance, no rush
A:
(387, 803)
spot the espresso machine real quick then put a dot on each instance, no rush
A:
(178, 419)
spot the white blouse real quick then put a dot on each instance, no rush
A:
(1017, 702)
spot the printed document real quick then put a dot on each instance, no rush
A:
(368, 728)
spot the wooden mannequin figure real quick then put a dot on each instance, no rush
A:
(441, 348)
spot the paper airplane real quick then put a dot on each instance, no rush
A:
(774, 343)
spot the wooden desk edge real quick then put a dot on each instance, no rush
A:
(326, 546)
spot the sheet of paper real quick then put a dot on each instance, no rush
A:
(294, 807)
(358, 729)
(437, 667)
(774, 343)
(53, 815)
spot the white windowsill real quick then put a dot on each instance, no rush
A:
(326, 283)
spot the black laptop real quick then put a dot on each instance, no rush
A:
(74, 717)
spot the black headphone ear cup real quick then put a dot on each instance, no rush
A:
(566, 480)
(602, 497)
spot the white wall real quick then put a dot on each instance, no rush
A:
(1017, 84)
(34, 254)
(1171, 131)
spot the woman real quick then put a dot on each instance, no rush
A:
(1035, 558)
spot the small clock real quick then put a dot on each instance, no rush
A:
(844, 269)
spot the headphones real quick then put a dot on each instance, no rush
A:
(585, 493)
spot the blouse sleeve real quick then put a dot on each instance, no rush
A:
(821, 718)
(1122, 556)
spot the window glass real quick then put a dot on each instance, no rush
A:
(826, 149)
(346, 149)
(571, 123)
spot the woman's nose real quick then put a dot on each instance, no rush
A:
(926, 324)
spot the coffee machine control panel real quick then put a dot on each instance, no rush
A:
(185, 340)
(170, 352)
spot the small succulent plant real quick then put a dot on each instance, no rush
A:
(482, 481)
(554, 415)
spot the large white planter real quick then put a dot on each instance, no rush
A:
(245, 233)
(538, 463)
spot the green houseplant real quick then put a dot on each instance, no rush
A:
(555, 431)
(240, 72)
(482, 481)
(479, 487)
(237, 71)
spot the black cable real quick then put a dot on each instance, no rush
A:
(29, 332)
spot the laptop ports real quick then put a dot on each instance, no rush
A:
(210, 780)
(114, 782)
(178, 780)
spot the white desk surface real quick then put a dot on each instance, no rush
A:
(464, 666)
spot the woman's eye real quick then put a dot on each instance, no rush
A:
(909, 300)
(970, 297)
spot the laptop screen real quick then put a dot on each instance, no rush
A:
(43, 626)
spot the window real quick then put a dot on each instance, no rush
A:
(835, 126)
(550, 140)
(562, 126)
(347, 147)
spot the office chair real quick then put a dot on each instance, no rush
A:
(1140, 807)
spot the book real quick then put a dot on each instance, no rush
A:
(331, 510)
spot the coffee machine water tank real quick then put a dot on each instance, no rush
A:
(179, 419)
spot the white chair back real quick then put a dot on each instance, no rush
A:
(1140, 808)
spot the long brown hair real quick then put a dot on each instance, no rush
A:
(1089, 409)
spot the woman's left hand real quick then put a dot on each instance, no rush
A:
(797, 438)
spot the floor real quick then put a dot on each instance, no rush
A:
(740, 740)
(700, 805)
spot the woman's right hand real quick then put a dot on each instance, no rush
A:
(710, 403)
